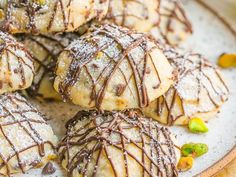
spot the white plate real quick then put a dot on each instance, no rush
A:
(210, 38)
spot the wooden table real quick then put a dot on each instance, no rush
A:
(229, 171)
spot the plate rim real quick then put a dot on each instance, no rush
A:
(219, 165)
(224, 161)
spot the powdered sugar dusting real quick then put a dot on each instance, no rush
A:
(25, 137)
(106, 51)
(112, 132)
(199, 83)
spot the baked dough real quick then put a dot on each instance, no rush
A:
(112, 68)
(26, 140)
(16, 65)
(47, 16)
(45, 50)
(117, 144)
(165, 19)
(199, 90)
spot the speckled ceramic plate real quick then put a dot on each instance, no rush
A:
(211, 37)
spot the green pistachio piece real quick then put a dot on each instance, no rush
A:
(185, 163)
(40, 2)
(194, 149)
(197, 125)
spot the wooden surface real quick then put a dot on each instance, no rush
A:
(229, 171)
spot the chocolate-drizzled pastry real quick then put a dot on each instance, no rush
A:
(16, 65)
(117, 144)
(164, 18)
(26, 140)
(45, 50)
(47, 16)
(199, 91)
(112, 68)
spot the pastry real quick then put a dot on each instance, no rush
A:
(117, 144)
(45, 50)
(49, 16)
(199, 90)
(112, 68)
(26, 140)
(163, 18)
(16, 65)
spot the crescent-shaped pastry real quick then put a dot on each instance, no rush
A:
(113, 68)
(199, 91)
(49, 16)
(45, 50)
(117, 144)
(16, 65)
(26, 140)
(165, 19)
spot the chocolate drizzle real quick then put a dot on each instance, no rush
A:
(45, 50)
(167, 11)
(92, 135)
(201, 76)
(14, 51)
(58, 12)
(48, 169)
(14, 112)
(110, 46)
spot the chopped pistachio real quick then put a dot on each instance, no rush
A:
(2, 14)
(227, 60)
(52, 157)
(40, 2)
(99, 55)
(119, 47)
(39, 165)
(185, 163)
(197, 125)
(194, 149)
